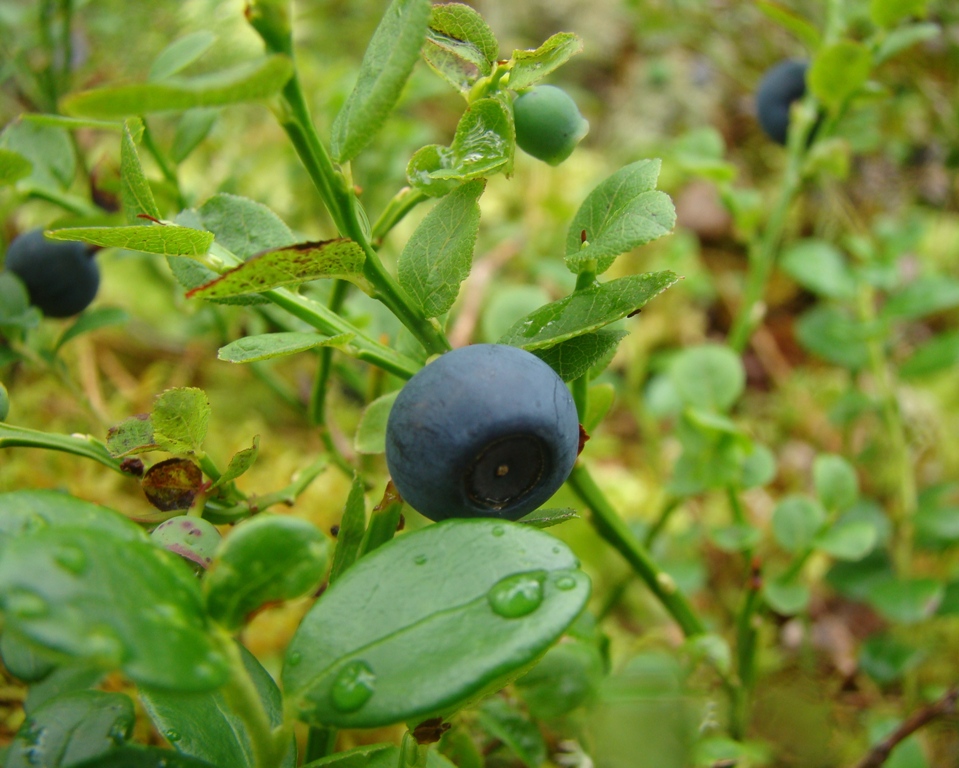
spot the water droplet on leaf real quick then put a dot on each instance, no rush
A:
(172, 736)
(71, 559)
(419, 559)
(565, 583)
(498, 530)
(294, 658)
(353, 686)
(27, 605)
(518, 595)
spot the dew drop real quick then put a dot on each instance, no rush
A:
(498, 530)
(556, 550)
(419, 559)
(353, 686)
(27, 605)
(294, 658)
(565, 583)
(518, 595)
(172, 736)
(71, 559)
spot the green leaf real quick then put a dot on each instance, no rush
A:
(601, 399)
(243, 226)
(64, 679)
(180, 54)
(375, 756)
(758, 468)
(833, 334)
(72, 123)
(370, 435)
(269, 558)
(79, 445)
(180, 417)
(837, 485)
(23, 512)
(250, 81)
(709, 377)
(461, 22)
(340, 258)
(886, 659)
(135, 190)
(439, 254)
(906, 601)
(240, 463)
(460, 47)
(796, 520)
(587, 310)
(791, 21)
(838, 72)
(528, 67)
(820, 267)
(482, 146)
(547, 518)
(622, 213)
(564, 678)
(573, 358)
(13, 166)
(165, 239)
(350, 535)
(117, 604)
(203, 724)
(92, 320)
(72, 728)
(474, 601)
(847, 541)
(265, 346)
(23, 660)
(47, 148)
(941, 353)
(386, 67)
(520, 735)
(192, 128)
(786, 597)
(736, 537)
(888, 13)
(131, 436)
(905, 37)
(136, 756)
(922, 297)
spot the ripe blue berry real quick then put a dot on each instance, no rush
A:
(548, 123)
(483, 431)
(780, 86)
(62, 278)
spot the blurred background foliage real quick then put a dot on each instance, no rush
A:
(657, 78)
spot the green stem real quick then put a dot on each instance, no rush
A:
(71, 203)
(669, 506)
(166, 168)
(321, 382)
(402, 203)
(611, 527)
(287, 495)
(268, 744)
(320, 743)
(412, 753)
(340, 200)
(900, 458)
(746, 632)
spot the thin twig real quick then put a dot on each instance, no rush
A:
(941, 708)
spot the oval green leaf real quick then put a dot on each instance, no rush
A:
(203, 725)
(72, 728)
(460, 607)
(267, 559)
(115, 603)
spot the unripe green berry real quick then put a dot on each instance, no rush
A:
(548, 123)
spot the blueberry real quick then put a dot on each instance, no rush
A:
(190, 537)
(483, 431)
(780, 86)
(62, 278)
(548, 123)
